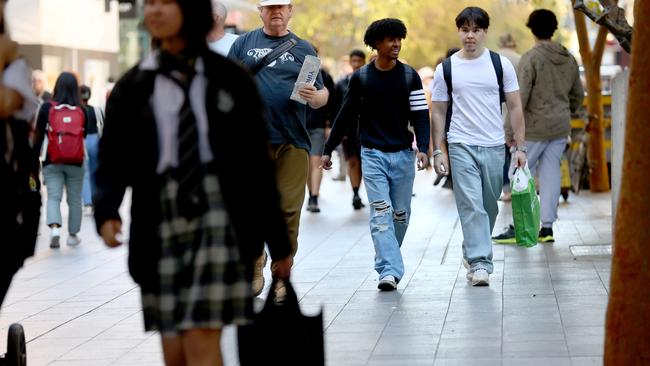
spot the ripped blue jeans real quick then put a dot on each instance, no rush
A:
(388, 178)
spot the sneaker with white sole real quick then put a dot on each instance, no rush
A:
(388, 283)
(468, 275)
(55, 238)
(480, 277)
(73, 240)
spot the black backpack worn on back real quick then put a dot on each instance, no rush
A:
(446, 71)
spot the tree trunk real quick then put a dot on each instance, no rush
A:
(628, 314)
(591, 59)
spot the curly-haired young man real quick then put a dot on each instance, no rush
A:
(385, 96)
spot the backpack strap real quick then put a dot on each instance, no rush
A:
(408, 77)
(446, 74)
(498, 68)
(280, 50)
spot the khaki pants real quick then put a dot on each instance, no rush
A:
(291, 169)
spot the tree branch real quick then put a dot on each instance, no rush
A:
(599, 47)
(613, 18)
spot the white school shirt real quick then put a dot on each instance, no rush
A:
(166, 101)
(18, 76)
(476, 111)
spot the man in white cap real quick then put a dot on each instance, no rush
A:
(286, 118)
(219, 40)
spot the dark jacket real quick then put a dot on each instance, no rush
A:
(128, 157)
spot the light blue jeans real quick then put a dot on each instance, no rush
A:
(544, 158)
(388, 178)
(56, 177)
(478, 178)
(89, 188)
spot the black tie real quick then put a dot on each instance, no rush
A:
(191, 198)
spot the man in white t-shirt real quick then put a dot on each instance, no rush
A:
(219, 40)
(476, 137)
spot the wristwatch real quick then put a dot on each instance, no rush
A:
(522, 149)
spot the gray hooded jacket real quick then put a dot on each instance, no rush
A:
(550, 89)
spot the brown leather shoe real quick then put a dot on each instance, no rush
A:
(280, 292)
(258, 274)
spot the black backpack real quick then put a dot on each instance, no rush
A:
(446, 71)
(408, 76)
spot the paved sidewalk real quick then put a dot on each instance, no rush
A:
(545, 305)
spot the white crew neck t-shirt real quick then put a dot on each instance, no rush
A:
(476, 111)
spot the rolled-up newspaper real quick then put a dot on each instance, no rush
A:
(307, 76)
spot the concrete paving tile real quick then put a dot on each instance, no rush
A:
(406, 345)
(587, 361)
(464, 352)
(518, 349)
(466, 361)
(400, 360)
(537, 361)
(587, 350)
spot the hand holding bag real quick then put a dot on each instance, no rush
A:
(525, 207)
(282, 335)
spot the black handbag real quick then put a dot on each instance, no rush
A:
(282, 335)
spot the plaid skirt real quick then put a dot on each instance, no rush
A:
(202, 280)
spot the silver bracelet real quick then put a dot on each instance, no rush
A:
(437, 152)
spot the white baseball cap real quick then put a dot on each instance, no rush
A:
(274, 2)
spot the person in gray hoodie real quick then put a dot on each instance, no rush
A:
(550, 90)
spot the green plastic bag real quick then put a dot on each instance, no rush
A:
(525, 207)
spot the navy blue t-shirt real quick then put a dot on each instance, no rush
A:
(286, 117)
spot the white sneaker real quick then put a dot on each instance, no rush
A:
(481, 277)
(388, 283)
(73, 240)
(468, 275)
(55, 237)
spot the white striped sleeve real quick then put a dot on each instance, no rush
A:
(418, 100)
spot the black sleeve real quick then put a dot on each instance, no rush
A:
(348, 113)
(86, 119)
(329, 107)
(110, 175)
(420, 117)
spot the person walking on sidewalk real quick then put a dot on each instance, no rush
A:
(550, 91)
(350, 143)
(384, 96)
(286, 118)
(19, 184)
(317, 121)
(63, 167)
(172, 123)
(476, 136)
(95, 124)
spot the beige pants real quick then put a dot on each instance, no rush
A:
(291, 169)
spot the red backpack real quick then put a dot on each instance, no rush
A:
(65, 134)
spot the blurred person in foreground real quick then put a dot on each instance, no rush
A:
(19, 184)
(172, 123)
